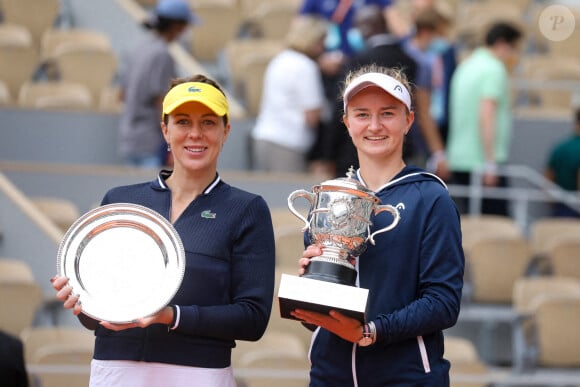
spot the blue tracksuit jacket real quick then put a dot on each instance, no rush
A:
(414, 274)
(228, 285)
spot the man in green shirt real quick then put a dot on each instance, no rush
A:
(564, 167)
(480, 113)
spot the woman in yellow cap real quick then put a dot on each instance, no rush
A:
(227, 289)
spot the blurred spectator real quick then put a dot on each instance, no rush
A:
(430, 25)
(407, 11)
(342, 41)
(144, 82)
(292, 100)
(340, 14)
(12, 367)
(563, 167)
(480, 114)
(381, 48)
(443, 46)
(446, 50)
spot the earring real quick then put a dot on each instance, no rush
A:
(168, 148)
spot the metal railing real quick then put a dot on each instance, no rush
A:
(542, 190)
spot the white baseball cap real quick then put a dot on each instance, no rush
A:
(384, 81)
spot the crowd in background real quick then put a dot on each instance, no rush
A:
(463, 96)
(299, 120)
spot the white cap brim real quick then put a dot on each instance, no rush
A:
(384, 81)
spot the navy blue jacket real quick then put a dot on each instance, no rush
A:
(228, 285)
(414, 274)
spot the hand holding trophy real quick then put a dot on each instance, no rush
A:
(339, 221)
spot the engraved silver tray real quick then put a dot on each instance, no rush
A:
(125, 261)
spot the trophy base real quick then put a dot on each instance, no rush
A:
(320, 296)
(330, 272)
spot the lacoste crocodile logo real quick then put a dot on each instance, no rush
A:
(208, 214)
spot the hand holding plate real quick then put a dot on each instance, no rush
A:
(65, 294)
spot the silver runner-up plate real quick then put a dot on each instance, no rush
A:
(125, 262)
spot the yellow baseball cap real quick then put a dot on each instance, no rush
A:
(203, 93)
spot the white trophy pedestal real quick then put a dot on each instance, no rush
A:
(320, 296)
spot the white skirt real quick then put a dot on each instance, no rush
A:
(121, 373)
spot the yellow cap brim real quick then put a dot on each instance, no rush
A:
(200, 92)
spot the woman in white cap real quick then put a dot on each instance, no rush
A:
(414, 272)
(146, 74)
(227, 289)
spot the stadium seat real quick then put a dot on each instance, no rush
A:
(478, 227)
(273, 341)
(61, 211)
(493, 265)
(94, 67)
(236, 52)
(527, 293)
(247, 7)
(36, 16)
(475, 17)
(58, 346)
(282, 363)
(20, 295)
(15, 270)
(109, 101)
(544, 232)
(36, 338)
(526, 289)
(18, 57)
(548, 80)
(5, 98)
(55, 38)
(465, 361)
(563, 256)
(218, 24)
(55, 95)
(273, 19)
(523, 5)
(253, 67)
(19, 302)
(558, 340)
(14, 34)
(78, 355)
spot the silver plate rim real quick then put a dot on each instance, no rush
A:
(105, 309)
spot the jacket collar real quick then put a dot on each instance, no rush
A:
(160, 184)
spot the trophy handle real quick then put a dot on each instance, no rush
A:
(306, 195)
(396, 216)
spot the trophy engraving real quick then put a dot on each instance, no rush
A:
(340, 221)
